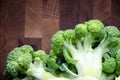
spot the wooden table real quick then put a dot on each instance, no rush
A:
(33, 22)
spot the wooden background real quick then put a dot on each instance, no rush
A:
(33, 22)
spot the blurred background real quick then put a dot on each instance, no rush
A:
(33, 22)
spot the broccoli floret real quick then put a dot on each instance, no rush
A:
(18, 62)
(52, 61)
(84, 47)
(12, 69)
(80, 29)
(23, 63)
(118, 63)
(57, 42)
(109, 64)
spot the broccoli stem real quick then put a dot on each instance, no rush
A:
(89, 63)
(39, 73)
(88, 39)
(68, 70)
(86, 78)
(47, 76)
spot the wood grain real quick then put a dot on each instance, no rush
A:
(50, 9)
(73, 12)
(33, 18)
(34, 22)
(42, 18)
(102, 10)
(12, 25)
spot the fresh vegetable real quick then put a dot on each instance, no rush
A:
(25, 64)
(91, 51)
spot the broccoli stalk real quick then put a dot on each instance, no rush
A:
(84, 60)
(37, 70)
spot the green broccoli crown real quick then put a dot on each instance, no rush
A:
(87, 40)
(69, 35)
(26, 49)
(18, 61)
(112, 31)
(94, 24)
(95, 27)
(24, 61)
(41, 54)
(57, 42)
(109, 65)
(12, 69)
(118, 63)
(80, 30)
(14, 54)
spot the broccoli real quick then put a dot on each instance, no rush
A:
(18, 62)
(84, 47)
(23, 63)
(109, 64)
(90, 51)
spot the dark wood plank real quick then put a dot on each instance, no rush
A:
(42, 20)
(34, 42)
(49, 27)
(33, 18)
(85, 10)
(115, 7)
(68, 13)
(12, 26)
(50, 22)
(50, 9)
(73, 12)
(115, 13)
(108, 12)
(102, 10)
